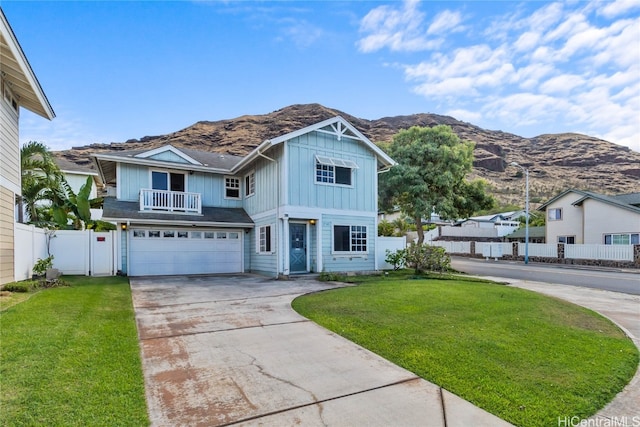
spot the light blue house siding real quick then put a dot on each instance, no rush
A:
(267, 183)
(303, 190)
(210, 186)
(263, 263)
(352, 262)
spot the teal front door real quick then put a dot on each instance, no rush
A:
(297, 248)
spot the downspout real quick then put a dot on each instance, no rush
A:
(277, 210)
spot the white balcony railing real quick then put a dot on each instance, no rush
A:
(170, 201)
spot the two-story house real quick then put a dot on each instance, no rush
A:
(305, 201)
(19, 87)
(585, 217)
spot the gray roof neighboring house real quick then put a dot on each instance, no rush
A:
(534, 233)
(121, 211)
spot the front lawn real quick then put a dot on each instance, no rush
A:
(70, 357)
(522, 356)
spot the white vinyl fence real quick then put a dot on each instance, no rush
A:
(453, 247)
(494, 249)
(605, 252)
(549, 250)
(388, 243)
(75, 252)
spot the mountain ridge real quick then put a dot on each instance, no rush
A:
(555, 161)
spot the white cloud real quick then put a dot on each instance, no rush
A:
(444, 22)
(302, 33)
(58, 134)
(558, 68)
(618, 7)
(396, 29)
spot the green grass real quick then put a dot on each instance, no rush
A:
(522, 356)
(70, 357)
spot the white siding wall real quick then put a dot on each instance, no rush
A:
(76, 181)
(601, 218)
(268, 183)
(571, 223)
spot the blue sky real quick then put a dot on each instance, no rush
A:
(120, 70)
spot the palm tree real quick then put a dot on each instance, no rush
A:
(41, 180)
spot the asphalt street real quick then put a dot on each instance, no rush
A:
(616, 280)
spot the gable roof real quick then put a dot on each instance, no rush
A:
(194, 160)
(335, 126)
(616, 201)
(559, 196)
(19, 76)
(629, 201)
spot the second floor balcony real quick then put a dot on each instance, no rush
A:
(170, 201)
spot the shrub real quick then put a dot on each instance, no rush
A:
(42, 265)
(428, 258)
(18, 287)
(397, 258)
(330, 277)
(385, 228)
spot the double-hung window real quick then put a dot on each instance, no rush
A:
(334, 171)
(349, 239)
(250, 184)
(554, 214)
(264, 243)
(231, 187)
(569, 240)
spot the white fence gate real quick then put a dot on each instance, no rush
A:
(75, 252)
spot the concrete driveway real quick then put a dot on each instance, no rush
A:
(225, 350)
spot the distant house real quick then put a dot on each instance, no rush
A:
(19, 87)
(76, 176)
(536, 235)
(301, 202)
(583, 217)
(509, 219)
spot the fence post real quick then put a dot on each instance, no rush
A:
(472, 249)
(636, 255)
(560, 250)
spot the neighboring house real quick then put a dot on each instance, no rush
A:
(76, 177)
(305, 201)
(583, 217)
(508, 219)
(19, 87)
(536, 235)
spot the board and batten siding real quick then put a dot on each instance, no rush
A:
(264, 263)
(347, 262)
(268, 183)
(303, 190)
(210, 186)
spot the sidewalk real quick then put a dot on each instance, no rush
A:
(622, 309)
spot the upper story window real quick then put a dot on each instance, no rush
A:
(250, 184)
(622, 239)
(334, 171)
(231, 187)
(162, 180)
(554, 214)
(350, 238)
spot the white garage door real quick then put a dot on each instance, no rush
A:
(157, 252)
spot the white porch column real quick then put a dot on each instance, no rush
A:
(285, 244)
(319, 243)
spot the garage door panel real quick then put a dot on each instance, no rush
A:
(172, 255)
